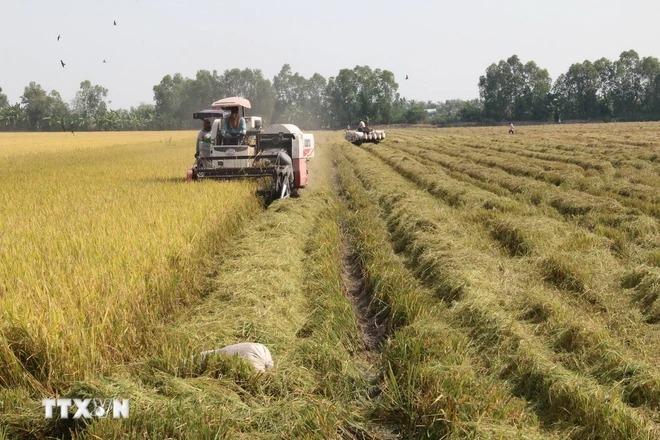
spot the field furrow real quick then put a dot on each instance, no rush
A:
(634, 236)
(432, 373)
(577, 177)
(452, 263)
(528, 228)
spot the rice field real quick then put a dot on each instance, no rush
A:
(98, 239)
(544, 265)
(446, 283)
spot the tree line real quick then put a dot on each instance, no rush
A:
(625, 89)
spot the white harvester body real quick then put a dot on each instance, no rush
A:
(280, 151)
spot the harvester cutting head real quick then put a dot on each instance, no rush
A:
(279, 152)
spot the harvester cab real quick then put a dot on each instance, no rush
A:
(279, 152)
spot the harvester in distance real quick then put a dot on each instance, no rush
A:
(368, 135)
(279, 152)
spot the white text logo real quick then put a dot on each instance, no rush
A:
(87, 408)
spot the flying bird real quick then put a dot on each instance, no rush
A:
(104, 61)
(406, 76)
(58, 38)
(62, 63)
(114, 22)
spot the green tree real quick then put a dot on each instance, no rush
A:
(513, 90)
(251, 84)
(634, 86)
(199, 93)
(3, 100)
(314, 103)
(650, 82)
(13, 117)
(169, 95)
(89, 104)
(606, 87)
(415, 113)
(298, 100)
(204, 89)
(627, 88)
(577, 91)
(472, 111)
(361, 93)
(60, 111)
(286, 87)
(450, 111)
(532, 99)
(342, 96)
(143, 117)
(42, 110)
(497, 89)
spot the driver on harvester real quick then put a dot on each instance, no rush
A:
(233, 127)
(362, 127)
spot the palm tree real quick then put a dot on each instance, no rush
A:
(13, 117)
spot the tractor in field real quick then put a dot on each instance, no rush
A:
(278, 152)
(368, 135)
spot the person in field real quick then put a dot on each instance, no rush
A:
(362, 127)
(233, 126)
(203, 147)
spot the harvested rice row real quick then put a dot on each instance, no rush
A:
(447, 258)
(578, 263)
(557, 173)
(632, 235)
(568, 148)
(432, 387)
(639, 195)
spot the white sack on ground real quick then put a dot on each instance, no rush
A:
(257, 354)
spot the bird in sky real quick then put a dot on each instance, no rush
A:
(406, 76)
(104, 61)
(114, 22)
(62, 63)
(58, 37)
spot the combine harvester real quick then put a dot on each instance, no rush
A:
(358, 137)
(280, 152)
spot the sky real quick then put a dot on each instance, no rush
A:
(443, 46)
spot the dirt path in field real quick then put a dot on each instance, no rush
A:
(373, 331)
